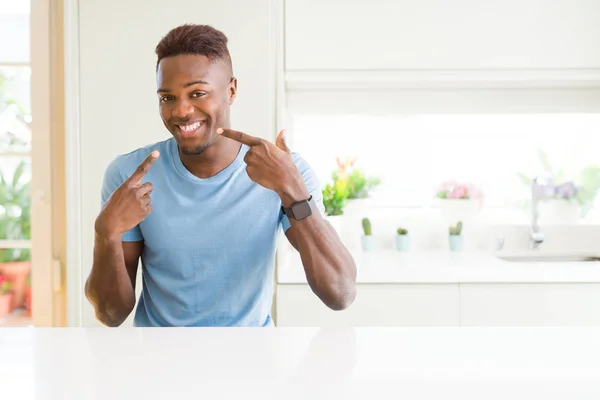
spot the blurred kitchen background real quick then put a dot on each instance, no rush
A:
(458, 145)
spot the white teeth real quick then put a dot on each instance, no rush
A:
(190, 128)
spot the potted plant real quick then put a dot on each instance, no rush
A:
(455, 237)
(567, 195)
(359, 184)
(402, 239)
(368, 240)
(5, 295)
(458, 200)
(15, 224)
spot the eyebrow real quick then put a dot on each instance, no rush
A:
(163, 90)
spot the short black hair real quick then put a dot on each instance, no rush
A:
(196, 39)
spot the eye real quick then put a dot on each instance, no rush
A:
(198, 94)
(164, 99)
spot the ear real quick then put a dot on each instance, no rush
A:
(232, 90)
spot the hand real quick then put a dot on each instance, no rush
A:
(271, 165)
(129, 204)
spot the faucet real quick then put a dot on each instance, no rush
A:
(536, 237)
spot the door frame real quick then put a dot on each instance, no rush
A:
(72, 156)
(48, 228)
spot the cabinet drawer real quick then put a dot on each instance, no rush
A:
(530, 304)
(375, 305)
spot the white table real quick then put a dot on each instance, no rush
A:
(290, 363)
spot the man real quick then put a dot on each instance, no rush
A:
(203, 209)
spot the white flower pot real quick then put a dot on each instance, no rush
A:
(368, 243)
(559, 212)
(402, 242)
(456, 242)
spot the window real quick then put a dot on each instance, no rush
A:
(15, 152)
(412, 154)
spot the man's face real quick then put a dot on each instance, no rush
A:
(194, 97)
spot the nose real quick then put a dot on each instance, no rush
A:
(182, 109)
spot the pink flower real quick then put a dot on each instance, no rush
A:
(452, 189)
(459, 192)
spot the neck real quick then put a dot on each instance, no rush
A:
(213, 159)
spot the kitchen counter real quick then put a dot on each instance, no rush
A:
(300, 363)
(445, 267)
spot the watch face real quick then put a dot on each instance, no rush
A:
(302, 210)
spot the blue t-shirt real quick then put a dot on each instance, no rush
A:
(209, 244)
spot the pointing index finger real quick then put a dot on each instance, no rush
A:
(144, 167)
(241, 137)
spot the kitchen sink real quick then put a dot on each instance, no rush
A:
(548, 257)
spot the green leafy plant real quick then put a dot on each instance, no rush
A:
(15, 213)
(334, 197)
(366, 224)
(402, 231)
(5, 286)
(455, 230)
(359, 185)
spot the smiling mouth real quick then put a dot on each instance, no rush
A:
(189, 130)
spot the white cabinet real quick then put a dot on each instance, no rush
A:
(465, 304)
(530, 304)
(375, 305)
(346, 35)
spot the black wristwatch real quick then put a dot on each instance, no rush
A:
(300, 210)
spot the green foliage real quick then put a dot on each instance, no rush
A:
(5, 285)
(402, 231)
(455, 230)
(359, 185)
(15, 213)
(587, 180)
(334, 197)
(366, 224)
(347, 183)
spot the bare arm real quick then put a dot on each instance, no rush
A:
(330, 269)
(110, 288)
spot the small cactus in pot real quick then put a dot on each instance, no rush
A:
(402, 239)
(366, 224)
(368, 240)
(455, 237)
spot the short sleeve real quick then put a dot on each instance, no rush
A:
(314, 188)
(112, 180)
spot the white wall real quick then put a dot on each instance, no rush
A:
(118, 104)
